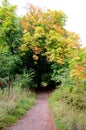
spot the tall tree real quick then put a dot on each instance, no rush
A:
(10, 31)
(45, 38)
(10, 38)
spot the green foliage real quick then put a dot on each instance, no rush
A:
(25, 80)
(14, 104)
(58, 72)
(10, 31)
(9, 64)
(66, 116)
(34, 50)
(68, 103)
(10, 38)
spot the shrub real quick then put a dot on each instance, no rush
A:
(25, 80)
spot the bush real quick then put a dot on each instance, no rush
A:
(25, 80)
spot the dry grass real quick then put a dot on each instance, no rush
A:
(66, 116)
(13, 104)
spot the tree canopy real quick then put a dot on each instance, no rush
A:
(37, 41)
(36, 51)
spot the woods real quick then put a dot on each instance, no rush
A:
(35, 50)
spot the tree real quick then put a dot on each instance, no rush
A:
(46, 40)
(10, 38)
(10, 30)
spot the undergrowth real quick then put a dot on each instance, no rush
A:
(68, 109)
(13, 104)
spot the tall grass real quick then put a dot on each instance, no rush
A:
(13, 104)
(66, 116)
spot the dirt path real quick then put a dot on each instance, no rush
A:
(38, 118)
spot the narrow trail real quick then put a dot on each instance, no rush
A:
(38, 118)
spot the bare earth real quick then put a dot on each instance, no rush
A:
(38, 118)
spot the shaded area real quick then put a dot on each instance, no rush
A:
(50, 87)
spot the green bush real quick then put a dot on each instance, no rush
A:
(25, 80)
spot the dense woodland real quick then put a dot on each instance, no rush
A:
(37, 51)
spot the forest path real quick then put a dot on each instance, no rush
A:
(38, 118)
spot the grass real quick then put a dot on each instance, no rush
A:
(66, 117)
(14, 104)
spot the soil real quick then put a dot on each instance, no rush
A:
(38, 118)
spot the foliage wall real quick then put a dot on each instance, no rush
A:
(38, 42)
